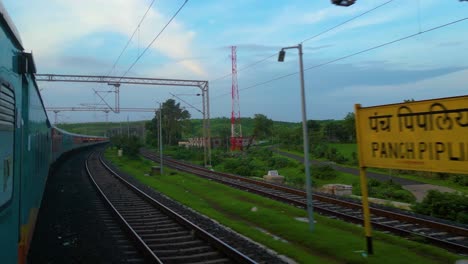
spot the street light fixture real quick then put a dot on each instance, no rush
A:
(310, 208)
(281, 55)
(343, 2)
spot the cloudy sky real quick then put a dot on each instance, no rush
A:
(87, 36)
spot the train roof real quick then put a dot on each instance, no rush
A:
(73, 134)
(5, 19)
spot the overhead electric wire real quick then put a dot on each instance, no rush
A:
(151, 43)
(351, 55)
(349, 20)
(307, 39)
(154, 39)
(130, 39)
(103, 98)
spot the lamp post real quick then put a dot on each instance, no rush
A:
(160, 141)
(206, 141)
(310, 208)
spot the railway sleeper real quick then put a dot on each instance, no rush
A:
(157, 226)
(131, 203)
(131, 211)
(457, 238)
(437, 234)
(154, 215)
(187, 244)
(135, 260)
(389, 222)
(159, 230)
(184, 251)
(162, 240)
(213, 255)
(134, 207)
(183, 232)
(404, 225)
(214, 261)
(146, 222)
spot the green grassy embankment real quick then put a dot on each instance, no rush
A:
(332, 241)
(346, 149)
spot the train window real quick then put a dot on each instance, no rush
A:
(7, 127)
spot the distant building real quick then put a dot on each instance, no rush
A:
(216, 142)
(138, 131)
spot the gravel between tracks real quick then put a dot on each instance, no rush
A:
(254, 250)
(70, 228)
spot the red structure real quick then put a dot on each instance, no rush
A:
(236, 128)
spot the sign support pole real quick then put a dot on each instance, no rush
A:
(364, 192)
(366, 211)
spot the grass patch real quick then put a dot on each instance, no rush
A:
(332, 242)
(346, 149)
(429, 180)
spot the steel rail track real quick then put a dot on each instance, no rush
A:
(161, 235)
(438, 233)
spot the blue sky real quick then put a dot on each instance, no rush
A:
(86, 37)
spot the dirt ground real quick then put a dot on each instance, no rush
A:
(420, 190)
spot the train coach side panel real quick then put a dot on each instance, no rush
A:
(36, 160)
(10, 141)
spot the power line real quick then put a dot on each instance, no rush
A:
(351, 55)
(151, 43)
(155, 38)
(122, 52)
(129, 40)
(347, 21)
(307, 39)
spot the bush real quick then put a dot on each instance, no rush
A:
(130, 145)
(451, 206)
(320, 150)
(335, 156)
(325, 172)
(461, 180)
(386, 190)
(188, 154)
(277, 162)
(298, 181)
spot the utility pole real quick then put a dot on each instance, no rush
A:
(160, 140)
(128, 128)
(305, 134)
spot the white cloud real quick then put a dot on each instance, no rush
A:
(63, 22)
(452, 84)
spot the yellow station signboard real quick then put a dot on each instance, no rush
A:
(427, 135)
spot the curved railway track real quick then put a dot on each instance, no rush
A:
(161, 235)
(438, 233)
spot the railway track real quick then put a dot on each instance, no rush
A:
(438, 233)
(161, 235)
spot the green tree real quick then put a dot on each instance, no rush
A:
(350, 127)
(175, 121)
(151, 135)
(263, 126)
(313, 126)
(130, 145)
(335, 131)
(224, 133)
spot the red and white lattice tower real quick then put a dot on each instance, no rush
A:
(236, 128)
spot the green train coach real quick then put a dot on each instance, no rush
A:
(29, 144)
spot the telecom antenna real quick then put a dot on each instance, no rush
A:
(236, 128)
